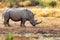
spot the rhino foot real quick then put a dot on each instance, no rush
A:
(22, 25)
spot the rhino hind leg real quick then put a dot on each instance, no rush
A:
(23, 23)
(6, 22)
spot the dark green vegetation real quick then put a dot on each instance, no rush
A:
(53, 3)
(25, 3)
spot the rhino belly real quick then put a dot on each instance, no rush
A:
(15, 18)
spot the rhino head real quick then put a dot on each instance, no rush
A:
(34, 22)
(31, 19)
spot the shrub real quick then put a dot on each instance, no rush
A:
(22, 0)
(25, 3)
(1, 5)
(42, 4)
(20, 4)
(34, 2)
(53, 3)
(7, 4)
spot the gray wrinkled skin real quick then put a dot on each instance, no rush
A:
(19, 15)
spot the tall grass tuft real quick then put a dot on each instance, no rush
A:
(9, 37)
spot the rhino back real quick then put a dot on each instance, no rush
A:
(18, 14)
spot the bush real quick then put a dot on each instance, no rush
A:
(25, 3)
(22, 0)
(53, 3)
(42, 4)
(34, 2)
(1, 5)
(7, 4)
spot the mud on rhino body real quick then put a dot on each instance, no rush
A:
(19, 15)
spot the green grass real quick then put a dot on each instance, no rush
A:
(9, 37)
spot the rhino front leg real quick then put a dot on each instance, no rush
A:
(23, 22)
